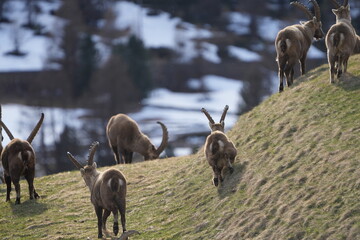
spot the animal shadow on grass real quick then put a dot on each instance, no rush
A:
(28, 208)
(231, 181)
(348, 82)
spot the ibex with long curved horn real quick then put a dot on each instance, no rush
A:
(293, 42)
(220, 126)
(108, 193)
(18, 159)
(125, 137)
(341, 40)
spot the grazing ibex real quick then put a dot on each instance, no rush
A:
(216, 126)
(18, 159)
(108, 193)
(220, 153)
(125, 137)
(341, 40)
(293, 42)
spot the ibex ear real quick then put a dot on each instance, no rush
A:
(348, 7)
(82, 170)
(334, 11)
(302, 22)
(94, 165)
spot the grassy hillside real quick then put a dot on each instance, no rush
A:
(297, 176)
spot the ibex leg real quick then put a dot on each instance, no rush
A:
(99, 212)
(332, 68)
(281, 65)
(105, 216)
(116, 222)
(302, 65)
(8, 187)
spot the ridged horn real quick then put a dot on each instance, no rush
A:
(226, 108)
(36, 129)
(76, 163)
(316, 9)
(92, 153)
(303, 8)
(7, 130)
(345, 3)
(335, 3)
(125, 235)
(207, 114)
(165, 138)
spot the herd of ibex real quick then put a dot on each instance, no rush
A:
(293, 42)
(108, 188)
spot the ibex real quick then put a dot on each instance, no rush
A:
(18, 159)
(341, 40)
(216, 126)
(108, 193)
(220, 153)
(293, 42)
(125, 137)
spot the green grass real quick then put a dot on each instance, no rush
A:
(297, 176)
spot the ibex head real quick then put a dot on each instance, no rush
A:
(88, 172)
(216, 126)
(314, 19)
(341, 11)
(154, 153)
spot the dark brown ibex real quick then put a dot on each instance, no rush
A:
(18, 159)
(125, 137)
(216, 126)
(341, 40)
(108, 193)
(293, 42)
(220, 153)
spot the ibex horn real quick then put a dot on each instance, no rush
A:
(226, 108)
(304, 8)
(164, 140)
(36, 129)
(127, 234)
(76, 163)
(7, 130)
(208, 115)
(345, 3)
(335, 3)
(316, 9)
(92, 153)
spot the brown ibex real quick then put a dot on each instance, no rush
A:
(293, 42)
(125, 137)
(216, 126)
(107, 193)
(18, 159)
(341, 40)
(220, 153)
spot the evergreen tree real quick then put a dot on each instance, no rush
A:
(135, 55)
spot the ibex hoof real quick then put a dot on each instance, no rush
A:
(116, 228)
(100, 235)
(17, 201)
(216, 182)
(36, 195)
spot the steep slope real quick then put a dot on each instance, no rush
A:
(297, 176)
